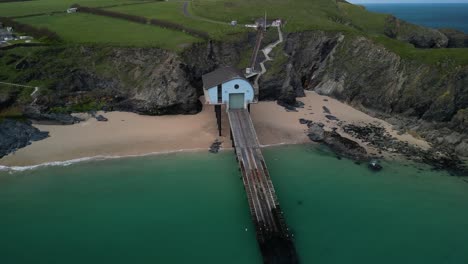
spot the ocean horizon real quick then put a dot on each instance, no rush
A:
(433, 15)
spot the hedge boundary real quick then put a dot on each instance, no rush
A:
(143, 20)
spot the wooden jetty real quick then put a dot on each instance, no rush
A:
(273, 235)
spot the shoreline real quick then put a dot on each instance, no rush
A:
(132, 135)
(151, 154)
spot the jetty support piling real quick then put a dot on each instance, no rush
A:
(218, 117)
(275, 241)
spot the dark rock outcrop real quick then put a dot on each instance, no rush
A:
(215, 146)
(101, 118)
(345, 147)
(316, 133)
(462, 149)
(374, 165)
(16, 134)
(142, 80)
(420, 37)
(456, 38)
(342, 146)
(423, 98)
(34, 113)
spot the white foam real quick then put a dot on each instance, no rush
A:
(104, 157)
(93, 158)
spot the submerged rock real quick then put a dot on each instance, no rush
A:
(375, 165)
(345, 147)
(316, 133)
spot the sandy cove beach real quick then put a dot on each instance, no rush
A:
(127, 134)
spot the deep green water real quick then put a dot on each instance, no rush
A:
(191, 208)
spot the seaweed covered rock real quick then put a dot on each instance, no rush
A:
(16, 134)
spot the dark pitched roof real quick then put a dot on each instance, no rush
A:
(221, 75)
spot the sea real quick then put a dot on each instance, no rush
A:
(191, 208)
(430, 15)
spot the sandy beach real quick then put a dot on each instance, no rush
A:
(127, 134)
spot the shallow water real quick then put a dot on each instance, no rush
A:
(191, 208)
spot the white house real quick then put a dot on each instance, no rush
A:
(276, 23)
(72, 10)
(228, 86)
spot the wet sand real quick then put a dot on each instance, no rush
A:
(127, 134)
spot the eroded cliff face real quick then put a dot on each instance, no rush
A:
(431, 100)
(147, 81)
(143, 80)
(419, 97)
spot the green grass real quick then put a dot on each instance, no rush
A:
(86, 28)
(24, 93)
(363, 20)
(173, 12)
(78, 108)
(11, 9)
(325, 15)
(299, 14)
(8, 73)
(443, 57)
(23, 97)
(279, 61)
(209, 16)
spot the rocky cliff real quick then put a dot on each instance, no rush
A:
(430, 100)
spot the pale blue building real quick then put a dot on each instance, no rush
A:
(228, 86)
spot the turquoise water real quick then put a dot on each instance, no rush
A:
(191, 208)
(430, 15)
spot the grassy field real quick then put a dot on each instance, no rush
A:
(299, 14)
(11, 9)
(442, 57)
(85, 28)
(212, 16)
(361, 19)
(327, 15)
(173, 12)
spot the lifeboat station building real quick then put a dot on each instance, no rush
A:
(228, 86)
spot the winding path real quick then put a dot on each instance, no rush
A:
(36, 89)
(266, 51)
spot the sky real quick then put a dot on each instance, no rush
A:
(407, 1)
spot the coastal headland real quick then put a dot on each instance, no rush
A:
(127, 134)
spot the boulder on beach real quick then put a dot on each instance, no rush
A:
(215, 146)
(316, 133)
(101, 118)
